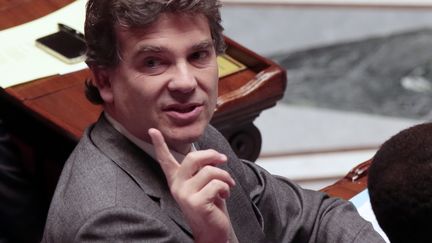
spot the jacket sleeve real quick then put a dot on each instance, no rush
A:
(293, 214)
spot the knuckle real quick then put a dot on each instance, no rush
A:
(193, 155)
(220, 173)
(224, 173)
(218, 183)
(176, 190)
(211, 150)
(207, 169)
(182, 197)
(193, 202)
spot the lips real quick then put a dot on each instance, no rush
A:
(184, 113)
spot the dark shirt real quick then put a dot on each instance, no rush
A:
(21, 214)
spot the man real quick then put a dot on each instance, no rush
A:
(400, 185)
(152, 169)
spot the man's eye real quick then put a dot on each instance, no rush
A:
(199, 55)
(201, 58)
(153, 66)
(152, 63)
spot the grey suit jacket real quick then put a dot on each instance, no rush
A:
(111, 191)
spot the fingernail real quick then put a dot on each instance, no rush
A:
(233, 182)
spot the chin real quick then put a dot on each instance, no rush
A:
(187, 134)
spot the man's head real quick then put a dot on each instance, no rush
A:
(102, 17)
(154, 64)
(400, 185)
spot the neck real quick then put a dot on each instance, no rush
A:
(181, 148)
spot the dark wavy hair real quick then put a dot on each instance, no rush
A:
(103, 15)
(400, 185)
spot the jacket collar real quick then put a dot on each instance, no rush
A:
(141, 167)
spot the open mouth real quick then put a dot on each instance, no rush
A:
(182, 108)
(186, 109)
(184, 113)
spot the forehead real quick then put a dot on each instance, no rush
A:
(168, 29)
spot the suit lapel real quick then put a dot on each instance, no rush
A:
(244, 216)
(146, 172)
(141, 167)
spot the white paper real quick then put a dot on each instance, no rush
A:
(362, 202)
(21, 61)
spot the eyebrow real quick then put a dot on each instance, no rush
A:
(149, 48)
(203, 45)
(157, 49)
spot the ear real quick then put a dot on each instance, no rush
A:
(102, 80)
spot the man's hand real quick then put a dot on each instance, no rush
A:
(199, 188)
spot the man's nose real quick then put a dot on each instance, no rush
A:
(183, 79)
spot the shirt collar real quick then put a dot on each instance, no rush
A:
(146, 147)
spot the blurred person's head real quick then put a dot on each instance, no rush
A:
(400, 185)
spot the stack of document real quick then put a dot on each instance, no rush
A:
(21, 61)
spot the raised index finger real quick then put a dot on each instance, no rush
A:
(166, 160)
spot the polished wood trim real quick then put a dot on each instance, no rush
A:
(352, 184)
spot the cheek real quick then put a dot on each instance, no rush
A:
(132, 94)
(211, 89)
(211, 79)
(215, 86)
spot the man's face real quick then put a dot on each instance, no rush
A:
(167, 79)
